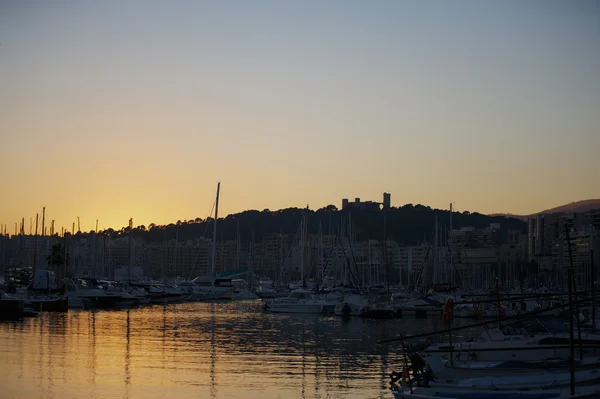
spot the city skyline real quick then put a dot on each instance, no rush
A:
(113, 111)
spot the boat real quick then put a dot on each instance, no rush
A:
(522, 340)
(11, 307)
(541, 387)
(352, 305)
(266, 289)
(301, 301)
(431, 379)
(166, 293)
(213, 287)
(84, 293)
(241, 290)
(48, 303)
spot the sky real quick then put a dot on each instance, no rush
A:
(113, 110)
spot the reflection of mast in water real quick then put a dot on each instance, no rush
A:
(213, 353)
(383, 382)
(92, 334)
(40, 350)
(303, 380)
(317, 372)
(127, 355)
(164, 337)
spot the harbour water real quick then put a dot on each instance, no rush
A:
(199, 350)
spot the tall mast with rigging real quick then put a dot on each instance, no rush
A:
(214, 243)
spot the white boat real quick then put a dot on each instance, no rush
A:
(266, 289)
(543, 386)
(432, 379)
(210, 290)
(241, 290)
(84, 293)
(352, 305)
(301, 301)
(165, 293)
(211, 287)
(523, 340)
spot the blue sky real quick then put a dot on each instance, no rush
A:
(113, 110)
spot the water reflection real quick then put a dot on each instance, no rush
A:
(224, 350)
(128, 354)
(213, 353)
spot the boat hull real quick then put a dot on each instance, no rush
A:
(11, 309)
(50, 305)
(310, 309)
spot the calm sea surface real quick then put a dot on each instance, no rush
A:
(199, 350)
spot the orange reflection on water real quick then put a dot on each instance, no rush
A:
(196, 350)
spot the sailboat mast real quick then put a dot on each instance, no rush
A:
(35, 242)
(302, 227)
(130, 250)
(237, 245)
(452, 279)
(214, 243)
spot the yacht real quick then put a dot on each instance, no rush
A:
(82, 293)
(301, 301)
(11, 307)
(352, 305)
(241, 290)
(431, 382)
(522, 340)
(166, 293)
(266, 289)
(217, 289)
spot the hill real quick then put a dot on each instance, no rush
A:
(577, 206)
(407, 225)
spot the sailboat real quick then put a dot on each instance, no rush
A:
(211, 287)
(301, 300)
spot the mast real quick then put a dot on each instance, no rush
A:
(214, 243)
(43, 220)
(96, 251)
(321, 269)
(64, 273)
(593, 276)
(4, 238)
(302, 227)
(35, 247)
(174, 269)
(237, 245)
(571, 315)
(130, 249)
(385, 254)
(450, 247)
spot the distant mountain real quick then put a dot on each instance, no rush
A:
(577, 206)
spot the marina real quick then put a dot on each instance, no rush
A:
(197, 350)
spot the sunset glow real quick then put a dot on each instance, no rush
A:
(111, 110)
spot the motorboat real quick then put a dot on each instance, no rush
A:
(266, 289)
(521, 340)
(11, 307)
(351, 305)
(431, 380)
(241, 290)
(213, 289)
(301, 301)
(82, 293)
